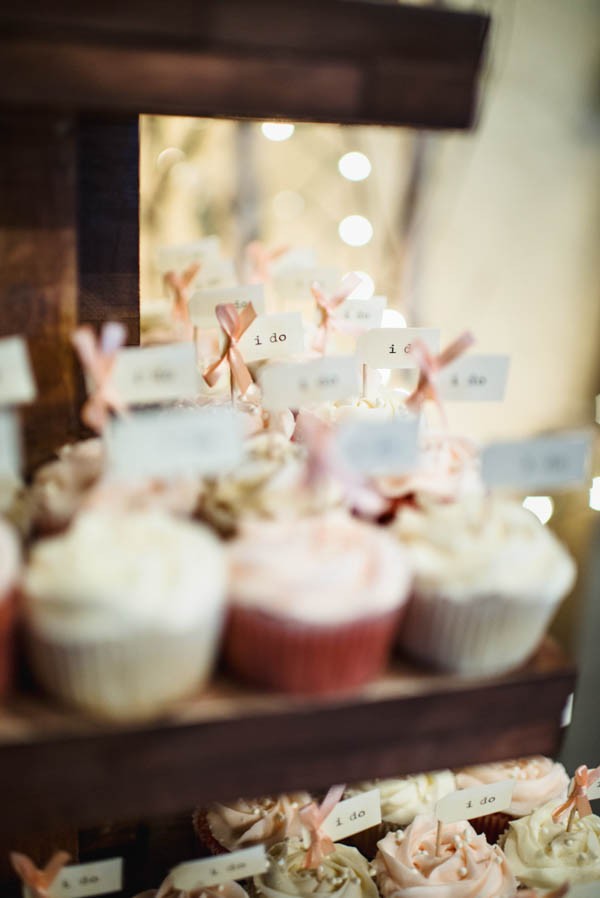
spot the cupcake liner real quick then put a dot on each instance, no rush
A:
(483, 635)
(366, 840)
(492, 825)
(130, 677)
(304, 658)
(8, 615)
(204, 832)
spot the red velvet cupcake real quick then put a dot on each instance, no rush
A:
(315, 603)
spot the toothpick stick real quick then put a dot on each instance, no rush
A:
(364, 381)
(438, 838)
(571, 819)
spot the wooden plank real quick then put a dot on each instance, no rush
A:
(38, 272)
(322, 61)
(107, 221)
(233, 742)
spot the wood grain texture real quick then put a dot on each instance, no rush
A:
(38, 272)
(233, 742)
(322, 61)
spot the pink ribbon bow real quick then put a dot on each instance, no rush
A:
(180, 284)
(430, 365)
(233, 325)
(260, 259)
(98, 358)
(578, 799)
(313, 816)
(38, 881)
(327, 305)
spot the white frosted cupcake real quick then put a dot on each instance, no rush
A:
(402, 798)
(124, 611)
(59, 487)
(244, 823)
(344, 873)
(315, 602)
(542, 854)
(538, 780)
(488, 579)
(269, 483)
(169, 890)
(384, 405)
(466, 866)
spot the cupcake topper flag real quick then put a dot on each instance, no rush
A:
(578, 800)
(259, 259)
(180, 284)
(313, 817)
(98, 358)
(38, 882)
(233, 324)
(326, 306)
(429, 366)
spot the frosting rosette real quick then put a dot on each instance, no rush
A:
(383, 405)
(344, 873)
(538, 780)
(542, 854)
(60, 486)
(404, 797)
(266, 821)
(168, 890)
(467, 866)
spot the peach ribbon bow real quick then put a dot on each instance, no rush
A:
(233, 325)
(327, 305)
(38, 881)
(578, 799)
(180, 284)
(98, 358)
(313, 817)
(260, 260)
(429, 367)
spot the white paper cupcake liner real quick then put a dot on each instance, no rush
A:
(482, 635)
(126, 678)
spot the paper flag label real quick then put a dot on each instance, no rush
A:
(583, 890)
(466, 804)
(593, 791)
(365, 313)
(294, 283)
(16, 377)
(273, 336)
(291, 386)
(222, 868)
(10, 444)
(389, 347)
(216, 273)
(475, 378)
(380, 447)
(546, 462)
(204, 302)
(353, 815)
(173, 443)
(181, 255)
(83, 880)
(156, 373)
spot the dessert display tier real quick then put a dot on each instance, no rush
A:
(57, 767)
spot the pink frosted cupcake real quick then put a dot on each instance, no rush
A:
(315, 603)
(466, 866)
(244, 823)
(537, 781)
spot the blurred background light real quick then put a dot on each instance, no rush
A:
(355, 230)
(169, 157)
(277, 130)
(595, 494)
(287, 205)
(365, 289)
(541, 506)
(354, 166)
(392, 318)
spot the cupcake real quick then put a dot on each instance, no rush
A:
(124, 611)
(269, 483)
(10, 569)
(168, 890)
(538, 780)
(488, 579)
(242, 824)
(543, 855)
(380, 407)
(59, 487)
(315, 603)
(402, 799)
(466, 866)
(344, 873)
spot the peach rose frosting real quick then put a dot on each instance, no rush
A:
(467, 865)
(537, 781)
(266, 820)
